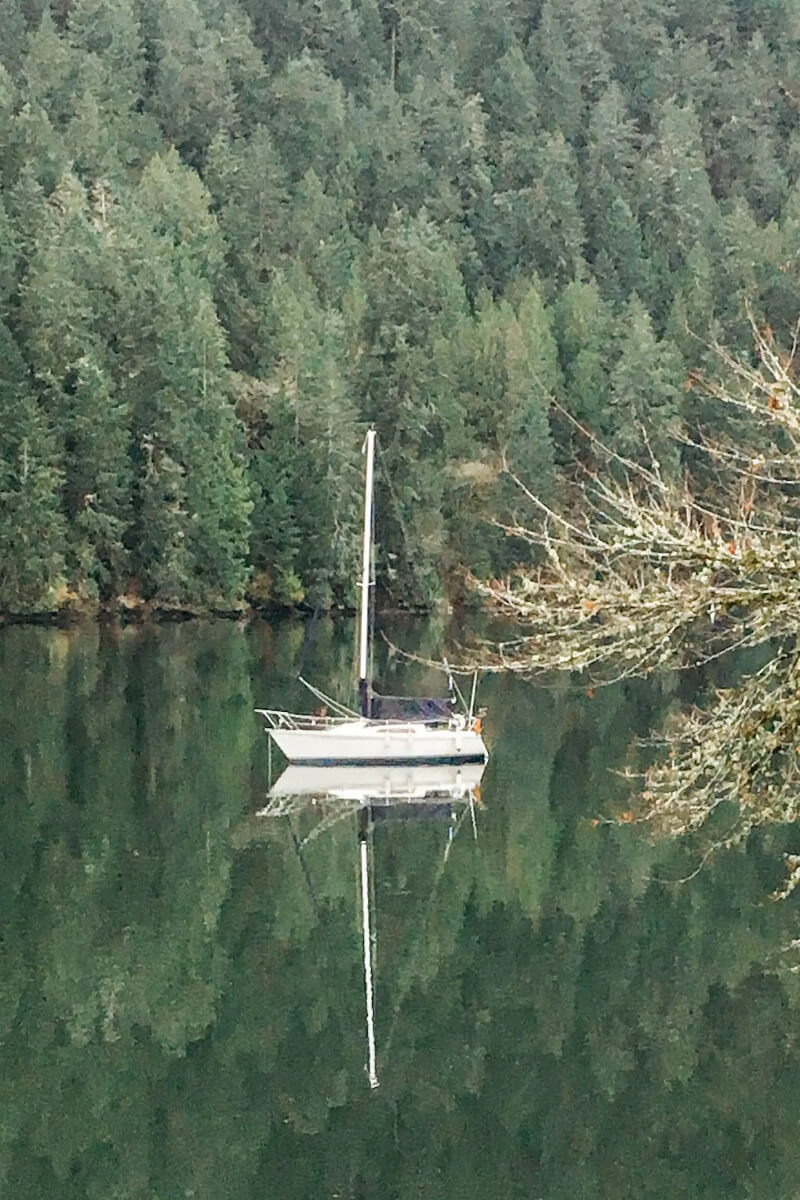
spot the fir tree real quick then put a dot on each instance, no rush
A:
(533, 381)
(97, 481)
(250, 188)
(9, 259)
(191, 461)
(193, 96)
(50, 73)
(31, 523)
(309, 120)
(644, 392)
(677, 196)
(311, 412)
(539, 227)
(584, 325)
(189, 444)
(390, 169)
(415, 303)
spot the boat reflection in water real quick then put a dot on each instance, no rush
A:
(440, 790)
(369, 784)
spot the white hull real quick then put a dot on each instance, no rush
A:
(388, 744)
(375, 783)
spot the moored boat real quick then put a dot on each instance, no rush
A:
(388, 730)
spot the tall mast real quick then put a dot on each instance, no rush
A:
(366, 581)
(372, 1070)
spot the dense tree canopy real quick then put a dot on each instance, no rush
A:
(235, 231)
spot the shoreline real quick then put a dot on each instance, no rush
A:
(151, 613)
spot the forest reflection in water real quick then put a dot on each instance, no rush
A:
(181, 994)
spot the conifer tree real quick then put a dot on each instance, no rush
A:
(31, 524)
(35, 151)
(692, 315)
(244, 62)
(57, 311)
(416, 34)
(308, 120)
(9, 98)
(511, 99)
(740, 128)
(109, 133)
(783, 306)
(414, 303)
(97, 481)
(644, 55)
(484, 35)
(677, 196)
(539, 228)
(250, 188)
(521, 432)
(644, 392)
(63, 322)
(192, 502)
(584, 324)
(310, 430)
(553, 65)
(320, 238)
(347, 36)
(620, 264)
(110, 33)
(279, 28)
(193, 96)
(390, 169)
(50, 73)
(533, 381)
(9, 259)
(15, 33)
(748, 259)
(610, 179)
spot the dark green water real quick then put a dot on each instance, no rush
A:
(181, 1000)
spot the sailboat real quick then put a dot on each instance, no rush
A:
(388, 730)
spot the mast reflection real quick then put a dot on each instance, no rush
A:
(376, 793)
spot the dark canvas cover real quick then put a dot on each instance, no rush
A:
(411, 708)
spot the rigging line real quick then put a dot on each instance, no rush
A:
(327, 821)
(451, 680)
(298, 849)
(453, 830)
(473, 694)
(472, 814)
(340, 709)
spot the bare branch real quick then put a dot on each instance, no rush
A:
(637, 573)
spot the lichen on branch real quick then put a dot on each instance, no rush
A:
(636, 572)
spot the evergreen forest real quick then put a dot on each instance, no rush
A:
(233, 233)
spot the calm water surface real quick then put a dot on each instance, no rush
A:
(181, 999)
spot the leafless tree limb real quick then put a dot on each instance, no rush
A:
(636, 573)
